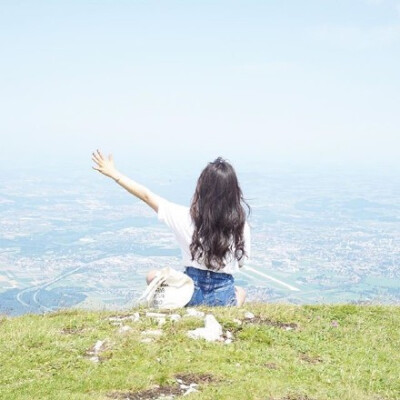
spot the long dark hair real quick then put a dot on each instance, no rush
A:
(218, 214)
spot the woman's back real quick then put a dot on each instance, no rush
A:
(179, 220)
(213, 233)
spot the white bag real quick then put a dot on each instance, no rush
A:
(168, 290)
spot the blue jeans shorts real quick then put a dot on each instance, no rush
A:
(211, 288)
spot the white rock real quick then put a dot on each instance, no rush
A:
(124, 329)
(190, 390)
(175, 317)
(98, 346)
(151, 332)
(288, 328)
(212, 323)
(191, 312)
(211, 332)
(161, 321)
(200, 333)
(146, 340)
(183, 386)
(155, 315)
(135, 317)
(248, 315)
(228, 335)
(228, 341)
(237, 321)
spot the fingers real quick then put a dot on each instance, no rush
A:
(96, 156)
(97, 161)
(100, 155)
(102, 162)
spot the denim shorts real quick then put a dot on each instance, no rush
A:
(211, 288)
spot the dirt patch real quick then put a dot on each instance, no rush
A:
(71, 331)
(294, 397)
(185, 382)
(149, 394)
(309, 359)
(277, 324)
(271, 365)
(188, 378)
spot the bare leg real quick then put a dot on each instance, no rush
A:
(240, 295)
(150, 275)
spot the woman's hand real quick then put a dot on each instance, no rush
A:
(105, 165)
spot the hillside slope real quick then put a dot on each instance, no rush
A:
(282, 352)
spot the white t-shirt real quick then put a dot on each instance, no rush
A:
(178, 218)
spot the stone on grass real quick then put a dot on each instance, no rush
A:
(175, 317)
(147, 340)
(248, 315)
(124, 329)
(155, 315)
(191, 312)
(95, 351)
(211, 332)
(190, 390)
(98, 346)
(153, 332)
(288, 328)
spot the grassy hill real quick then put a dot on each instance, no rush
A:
(284, 352)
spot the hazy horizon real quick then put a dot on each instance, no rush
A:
(174, 83)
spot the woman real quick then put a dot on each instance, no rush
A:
(213, 233)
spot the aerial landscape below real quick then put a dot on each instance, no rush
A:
(326, 237)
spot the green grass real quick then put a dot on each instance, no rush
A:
(336, 352)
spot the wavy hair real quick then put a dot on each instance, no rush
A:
(218, 214)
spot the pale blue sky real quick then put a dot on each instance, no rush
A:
(289, 81)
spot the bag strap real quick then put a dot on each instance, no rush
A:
(157, 281)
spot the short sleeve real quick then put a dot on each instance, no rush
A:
(176, 217)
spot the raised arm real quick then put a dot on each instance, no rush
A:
(105, 165)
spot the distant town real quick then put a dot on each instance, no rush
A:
(315, 239)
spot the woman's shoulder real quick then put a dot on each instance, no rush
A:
(173, 214)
